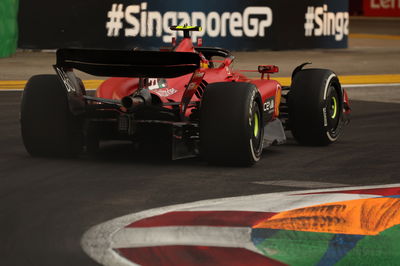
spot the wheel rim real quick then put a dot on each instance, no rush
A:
(256, 125)
(256, 128)
(334, 107)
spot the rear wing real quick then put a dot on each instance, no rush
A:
(125, 63)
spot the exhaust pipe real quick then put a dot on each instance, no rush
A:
(139, 98)
(132, 102)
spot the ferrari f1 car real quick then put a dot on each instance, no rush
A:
(187, 100)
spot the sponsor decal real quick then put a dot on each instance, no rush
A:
(325, 117)
(320, 22)
(155, 83)
(390, 8)
(64, 77)
(269, 105)
(384, 4)
(165, 92)
(253, 95)
(140, 20)
(191, 88)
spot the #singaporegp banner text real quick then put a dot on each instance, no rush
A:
(240, 25)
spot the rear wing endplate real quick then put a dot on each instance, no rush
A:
(125, 63)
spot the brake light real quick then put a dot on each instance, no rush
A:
(199, 41)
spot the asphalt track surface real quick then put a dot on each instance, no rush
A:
(47, 204)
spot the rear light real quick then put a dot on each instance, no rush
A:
(199, 42)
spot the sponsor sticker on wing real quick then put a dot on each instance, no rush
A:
(165, 92)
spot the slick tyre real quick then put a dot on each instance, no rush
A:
(315, 107)
(231, 127)
(48, 128)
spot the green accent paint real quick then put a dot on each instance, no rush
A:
(256, 125)
(296, 247)
(382, 249)
(335, 107)
(8, 27)
(308, 248)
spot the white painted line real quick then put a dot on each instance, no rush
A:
(299, 184)
(235, 237)
(277, 202)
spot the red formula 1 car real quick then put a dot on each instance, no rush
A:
(186, 100)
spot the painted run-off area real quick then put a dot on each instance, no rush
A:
(344, 226)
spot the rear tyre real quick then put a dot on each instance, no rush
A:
(48, 127)
(315, 107)
(231, 127)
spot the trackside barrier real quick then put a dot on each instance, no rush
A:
(235, 25)
(8, 27)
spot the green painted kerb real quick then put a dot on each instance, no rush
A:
(311, 248)
(8, 27)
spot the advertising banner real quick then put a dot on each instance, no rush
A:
(236, 25)
(8, 27)
(382, 8)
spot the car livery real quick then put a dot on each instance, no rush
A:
(185, 99)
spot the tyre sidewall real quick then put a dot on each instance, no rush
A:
(308, 103)
(226, 126)
(47, 126)
(332, 133)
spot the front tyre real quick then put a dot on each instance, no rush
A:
(231, 127)
(316, 107)
(48, 127)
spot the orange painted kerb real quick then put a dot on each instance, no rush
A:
(360, 217)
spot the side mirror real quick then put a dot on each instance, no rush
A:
(227, 61)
